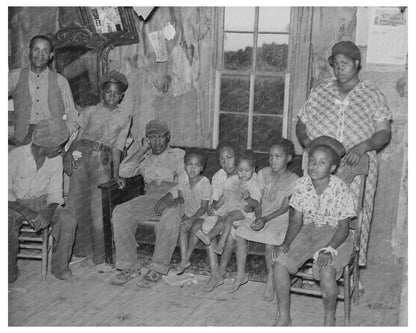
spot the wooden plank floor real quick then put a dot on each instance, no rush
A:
(92, 301)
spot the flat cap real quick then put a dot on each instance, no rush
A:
(114, 76)
(156, 126)
(346, 48)
(337, 146)
(50, 133)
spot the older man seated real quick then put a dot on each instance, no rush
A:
(35, 195)
(160, 166)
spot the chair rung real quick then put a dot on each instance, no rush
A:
(30, 256)
(310, 277)
(28, 229)
(311, 292)
(306, 291)
(31, 247)
(305, 276)
(30, 239)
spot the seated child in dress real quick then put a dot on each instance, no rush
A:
(193, 192)
(277, 184)
(226, 157)
(242, 189)
(319, 222)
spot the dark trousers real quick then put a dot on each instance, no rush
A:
(63, 233)
(85, 203)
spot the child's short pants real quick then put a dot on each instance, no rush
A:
(310, 239)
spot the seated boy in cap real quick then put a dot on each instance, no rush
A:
(160, 166)
(319, 221)
(35, 195)
(94, 159)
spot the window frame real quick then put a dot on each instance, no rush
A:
(252, 73)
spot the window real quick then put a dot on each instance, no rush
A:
(252, 79)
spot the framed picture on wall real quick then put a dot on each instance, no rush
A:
(117, 24)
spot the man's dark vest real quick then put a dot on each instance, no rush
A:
(23, 102)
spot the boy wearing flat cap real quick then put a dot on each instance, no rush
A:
(160, 166)
(35, 195)
(94, 159)
(321, 208)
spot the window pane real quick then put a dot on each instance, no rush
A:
(238, 49)
(239, 18)
(233, 129)
(272, 52)
(265, 130)
(235, 93)
(269, 95)
(274, 19)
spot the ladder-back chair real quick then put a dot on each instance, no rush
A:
(36, 245)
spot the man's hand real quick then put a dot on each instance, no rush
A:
(39, 222)
(258, 224)
(146, 143)
(354, 155)
(162, 204)
(121, 182)
(30, 214)
(277, 251)
(324, 258)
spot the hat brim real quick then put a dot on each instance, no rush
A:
(336, 145)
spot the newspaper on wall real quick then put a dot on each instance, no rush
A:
(387, 38)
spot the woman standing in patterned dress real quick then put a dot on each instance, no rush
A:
(355, 113)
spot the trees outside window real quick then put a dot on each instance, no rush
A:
(252, 78)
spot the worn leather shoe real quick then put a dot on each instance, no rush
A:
(64, 275)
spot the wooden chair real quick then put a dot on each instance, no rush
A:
(36, 245)
(350, 278)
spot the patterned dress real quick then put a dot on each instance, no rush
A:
(350, 121)
(335, 203)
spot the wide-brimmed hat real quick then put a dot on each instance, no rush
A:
(346, 48)
(114, 76)
(50, 133)
(156, 126)
(325, 140)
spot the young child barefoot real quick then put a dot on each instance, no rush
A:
(319, 222)
(220, 181)
(241, 190)
(194, 193)
(277, 184)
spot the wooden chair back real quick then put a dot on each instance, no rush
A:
(347, 174)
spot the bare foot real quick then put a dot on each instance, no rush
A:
(213, 282)
(329, 319)
(219, 249)
(268, 294)
(238, 283)
(283, 321)
(182, 266)
(203, 237)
